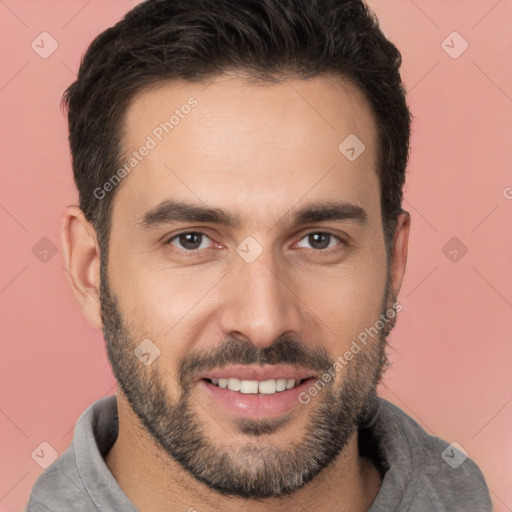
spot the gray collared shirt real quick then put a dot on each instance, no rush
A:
(421, 473)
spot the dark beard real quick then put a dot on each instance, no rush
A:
(253, 470)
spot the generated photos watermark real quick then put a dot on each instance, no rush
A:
(363, 337)
(152, 140)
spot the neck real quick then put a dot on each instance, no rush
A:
(152, 480)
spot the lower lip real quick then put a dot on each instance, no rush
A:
(255, 406)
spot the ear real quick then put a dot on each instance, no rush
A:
(399, 252)
(82, 262)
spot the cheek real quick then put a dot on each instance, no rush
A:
(169, 307)
(152, 294)
(348, 302)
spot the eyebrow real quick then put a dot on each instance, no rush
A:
(172, 211)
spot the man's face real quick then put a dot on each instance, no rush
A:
(274, 291)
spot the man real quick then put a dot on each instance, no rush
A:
(241, 242)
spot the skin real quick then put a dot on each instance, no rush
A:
(260, 151)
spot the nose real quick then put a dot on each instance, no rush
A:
(259, 301)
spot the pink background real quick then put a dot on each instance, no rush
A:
(452, 349)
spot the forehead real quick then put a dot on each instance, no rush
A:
(256, 149)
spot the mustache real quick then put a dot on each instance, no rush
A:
(286, 350)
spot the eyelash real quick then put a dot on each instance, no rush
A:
(198, 252)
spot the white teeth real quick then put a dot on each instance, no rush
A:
(280, 384)
(248, 386)
(234, 384)
(265, 387)
(290, 383)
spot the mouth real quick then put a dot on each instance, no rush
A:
(256, 396)
(255, 387)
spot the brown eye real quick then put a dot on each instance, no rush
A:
(189, 241)
(321, 240)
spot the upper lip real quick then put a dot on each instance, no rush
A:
(259, 373)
